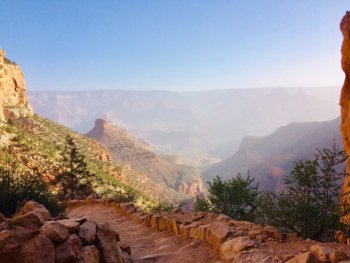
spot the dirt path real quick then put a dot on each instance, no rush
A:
(146, 245)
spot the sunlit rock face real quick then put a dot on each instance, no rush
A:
(13, 98)
(345, 94)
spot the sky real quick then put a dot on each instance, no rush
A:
(177, 45)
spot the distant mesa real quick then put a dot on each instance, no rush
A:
(100, 129)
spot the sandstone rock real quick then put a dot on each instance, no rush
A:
(30, 219)
(30, 206)
(87, 232)
(13, 99)
(39, 249)
(55, 231)
(232, 247)
(106, 243)
(89, 254)
(253, 257)
(273, 232)
(223, 218)
(217, 233)
(71, 225)
(155, 221)
(337, 256)
(303, 258)
(345, 94)
(321, 253)
(68, 251)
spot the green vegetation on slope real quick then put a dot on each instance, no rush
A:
(37, 146)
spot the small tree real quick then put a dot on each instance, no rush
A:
(236, 197)
(75, 180)
(310, 206)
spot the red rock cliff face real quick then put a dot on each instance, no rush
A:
(13, 98)
(345, 94)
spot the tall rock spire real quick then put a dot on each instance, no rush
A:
(345, 94)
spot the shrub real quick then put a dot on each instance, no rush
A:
(163, 206)
(236, 197)
(16, 189)
(312, 203)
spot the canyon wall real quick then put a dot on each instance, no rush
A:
(13, 99)
(345, 94)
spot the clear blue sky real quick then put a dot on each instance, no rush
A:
(174, 45)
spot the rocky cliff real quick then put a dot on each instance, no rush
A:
(345, 94)
(138, 156)
(13, 99)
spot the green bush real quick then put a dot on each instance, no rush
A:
(16, 189)
(312, 203)
(163, 206)
(236, 197)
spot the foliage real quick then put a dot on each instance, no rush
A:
(311, 205)
(163, 206)
(75, 181)
(15, 189)
(202, 204)
(236, 197)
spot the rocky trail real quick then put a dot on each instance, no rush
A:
(147, 245)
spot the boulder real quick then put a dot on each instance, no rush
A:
(87, 232)
(106, 242)
(68, 251)
(273, 232)
(229, 249)
(55, 231)
(89, 254)
(71, 225)
(39, 249)
(34, 206)
(31, 219)
(321, 253)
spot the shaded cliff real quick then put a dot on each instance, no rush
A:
(13, 99)
(345, 94)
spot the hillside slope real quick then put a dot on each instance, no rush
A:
(138, 156)
(35, 145)
(270, 158)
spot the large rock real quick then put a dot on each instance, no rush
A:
(39, 249)
(68, 251)
(345, 93)
(30, 219)
(70, 224)
(87, 232)
(13, 99)
(55, 231)
(89, 254)
(232, 247)
(106, 242)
